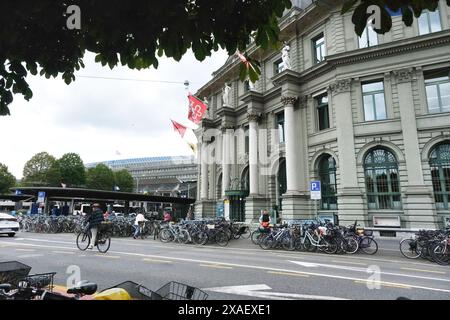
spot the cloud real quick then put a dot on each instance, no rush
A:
(97, 117)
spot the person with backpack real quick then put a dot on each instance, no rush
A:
(94, 220)
(265, 221)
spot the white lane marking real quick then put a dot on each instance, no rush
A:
(63, 252)
(24, 256)
(50, 241)
(156, 260)
(27, 250)
(256, 291)
(245, 266)
(423, 270)
(217, 266)
(358, 258)
(348, 268)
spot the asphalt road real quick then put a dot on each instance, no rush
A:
(240, 271)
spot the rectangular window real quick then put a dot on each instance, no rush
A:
(374, 101)
(319, 48)
(429, 22)
(369, 38)
(280, 122)
(278, 67)
(323, 115)
(247, 139)
(438, 93)
(246, 86)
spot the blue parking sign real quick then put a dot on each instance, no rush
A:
(315, 186)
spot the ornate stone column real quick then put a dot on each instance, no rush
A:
(418, 201)
(204, 172)
(227, 133)
(295, 202)
(253, 119)
(291, 154)
(350, 200)
(255, 202)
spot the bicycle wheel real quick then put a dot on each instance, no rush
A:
(298, 244)
(331, 246)
(309, 246)
(165, 235)
(245, 234)
(222, 239)
(440, 253)
(103, 244)
(266, 242)
(288, 244)
(183, 237)
(350, 245)
(255, 236)
(199, 238)
(83, 240)
(368, 245)
(410, 248)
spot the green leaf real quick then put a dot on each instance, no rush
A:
(408, 17)
(242, 72)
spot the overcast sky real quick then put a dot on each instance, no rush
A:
(100, 118)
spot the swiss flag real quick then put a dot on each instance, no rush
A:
(179, 127)
(197, 109)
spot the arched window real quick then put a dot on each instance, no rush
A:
(382, 180)
(440, 175)
(327, 176)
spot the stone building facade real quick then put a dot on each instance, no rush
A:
(369, 117)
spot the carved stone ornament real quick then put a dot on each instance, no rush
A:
(253, 117)
(289, 100)
(404, 75)
(341, 86)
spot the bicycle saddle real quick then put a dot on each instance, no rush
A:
(84, 287)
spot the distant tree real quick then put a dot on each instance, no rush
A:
(7, 180)
(53, 177)
(36, 170)
(100, 178)
(72, 170)
(124, 180)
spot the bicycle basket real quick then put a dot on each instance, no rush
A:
(137, 292)
(178, 291)
(13, 272)
(40, 281)
(368, 233)
(106, 226)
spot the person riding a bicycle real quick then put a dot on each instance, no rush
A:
(94, 220)
(138, 224)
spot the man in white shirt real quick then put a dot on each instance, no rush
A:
(140, 219)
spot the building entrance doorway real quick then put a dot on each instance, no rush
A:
(237, 193)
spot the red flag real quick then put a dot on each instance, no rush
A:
(179, 127)
(243, 59)
(197, 109)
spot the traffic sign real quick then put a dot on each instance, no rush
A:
(316, 191)
(41, 197)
